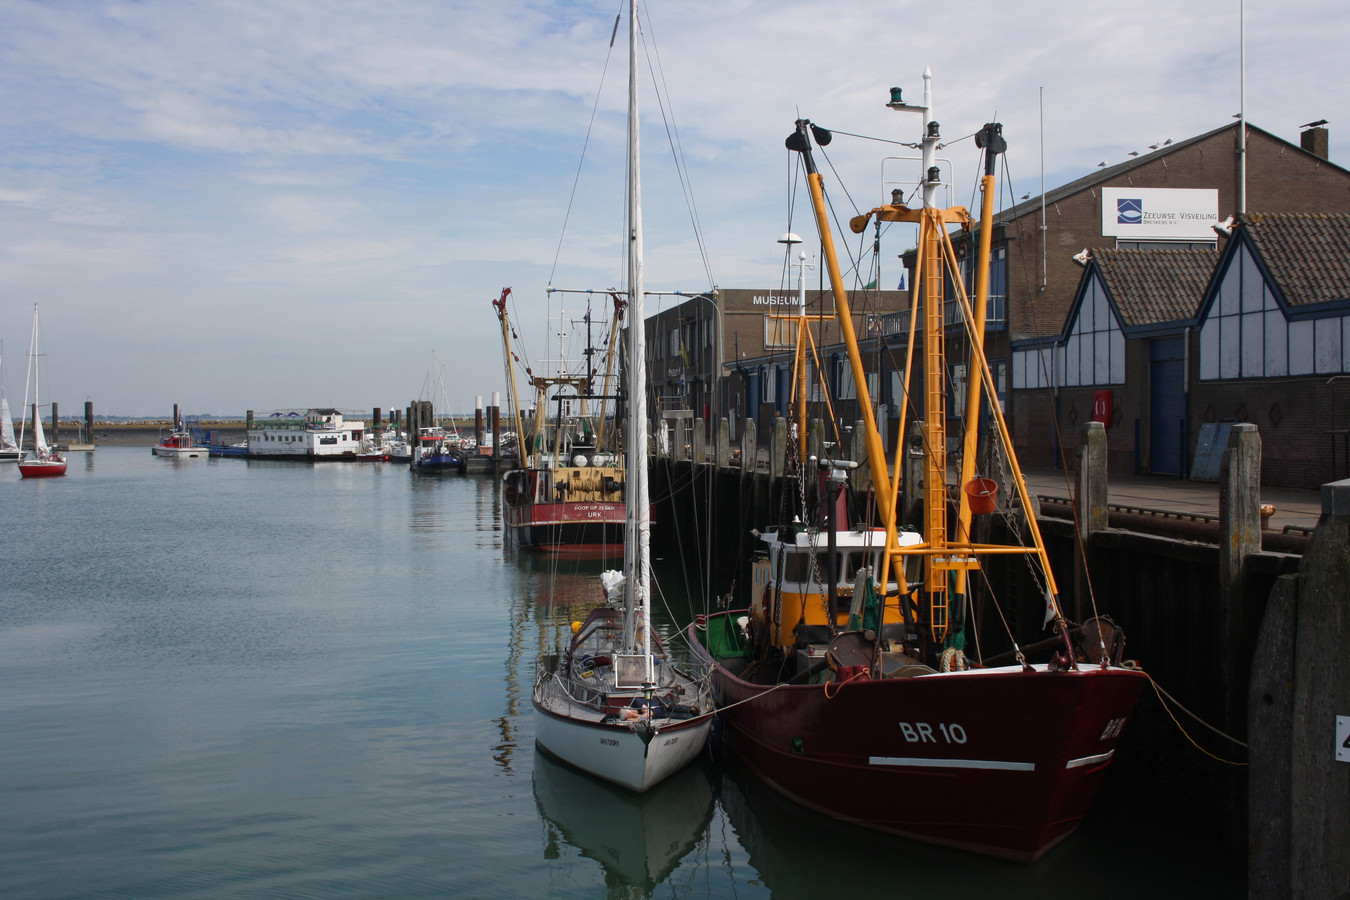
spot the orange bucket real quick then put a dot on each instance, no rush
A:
(981, 494)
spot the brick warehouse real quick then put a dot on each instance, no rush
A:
(1157, 372)
(1034, 300)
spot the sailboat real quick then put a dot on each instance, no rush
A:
(615, 704)
(438, 449)
(42, 461)
(846, 685)
(9, 447)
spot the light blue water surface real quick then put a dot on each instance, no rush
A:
(231, 678)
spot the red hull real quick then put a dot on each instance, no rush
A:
(582, 530)
(996, 761)
(41, 469)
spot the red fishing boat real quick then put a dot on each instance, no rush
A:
(567, 498)
(847, 684)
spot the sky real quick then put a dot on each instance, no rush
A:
(244, 205)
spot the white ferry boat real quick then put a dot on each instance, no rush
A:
(312, 434)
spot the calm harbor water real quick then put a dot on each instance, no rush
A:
(226, 678)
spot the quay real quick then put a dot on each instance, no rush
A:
(1235, 599)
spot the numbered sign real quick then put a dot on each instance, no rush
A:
(1343, 738)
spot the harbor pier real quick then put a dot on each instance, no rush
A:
(1223, 589)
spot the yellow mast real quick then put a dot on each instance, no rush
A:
(615, 329)
(876, 454)
(500, 305)
(943, 553)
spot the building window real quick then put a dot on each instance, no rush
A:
(1246, 334)
(956, 403)
(1032, 369)
(1094, 352)
(996, 310)
(897, 394)
(1166, 245)
(844, 379)
(780, 332)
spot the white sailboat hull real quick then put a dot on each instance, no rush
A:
(613, 750)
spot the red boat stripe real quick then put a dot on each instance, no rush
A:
(927, 762)
(1089, 760)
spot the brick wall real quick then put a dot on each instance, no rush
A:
(1294, 417)
(1281, 177)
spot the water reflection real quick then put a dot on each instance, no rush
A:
(638, 839)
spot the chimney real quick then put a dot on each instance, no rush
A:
(1315, 141)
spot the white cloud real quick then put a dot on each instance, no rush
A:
(278, 185)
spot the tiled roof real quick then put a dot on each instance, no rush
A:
(1155, 286)
(1308, 255)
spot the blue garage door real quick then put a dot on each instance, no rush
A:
(1167, 406)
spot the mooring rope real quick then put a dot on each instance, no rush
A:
(1162, 693)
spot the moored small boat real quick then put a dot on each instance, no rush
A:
(9, 445)
(42, 461)
(179, 444)
(438, 450)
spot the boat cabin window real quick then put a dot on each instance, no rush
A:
(853, 560)
(797, 568)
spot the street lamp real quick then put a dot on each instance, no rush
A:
(799, 360)
(789, 239)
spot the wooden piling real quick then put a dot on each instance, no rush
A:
(1299, 811)
(1239, 538)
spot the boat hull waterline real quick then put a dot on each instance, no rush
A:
(613, 750)
(173, 452)
(583, 530)
(1001, 761)
(42, 468)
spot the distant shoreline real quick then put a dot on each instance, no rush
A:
(145, 434)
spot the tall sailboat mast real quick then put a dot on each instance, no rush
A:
(637, 544)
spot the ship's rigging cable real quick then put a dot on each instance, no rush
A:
(590, 126)
(1074, 499)
(673, 138)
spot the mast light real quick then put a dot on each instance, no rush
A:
(898, 103)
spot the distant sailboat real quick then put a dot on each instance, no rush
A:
(42, 461)
(9, 447)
